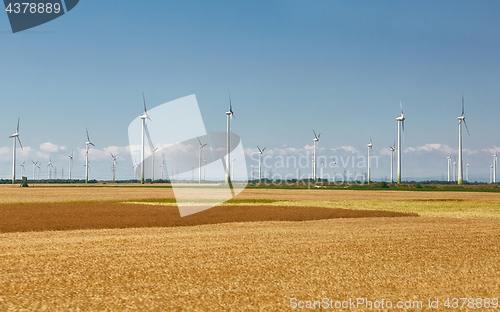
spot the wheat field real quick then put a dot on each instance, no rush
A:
(253, 266)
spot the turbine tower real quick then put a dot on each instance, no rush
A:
(87, 144)
(392, 149)
(461, 119)
(369, 146)
(401, 126)
(135, 166)
(449, 168)
(229, 115)
(70, 164)
(143, 117)
(260, 162)
(114, 166)
(15, 138)
(315, 146)
(200, 152)
(495, 168)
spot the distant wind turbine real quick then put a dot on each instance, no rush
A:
(143, 117)
(49, 166)
(467, 171)
(315, 147)
(229, 114)
(495, 167)
(34, 166)
(461, 119)
(134, 167)
(22, 171)
(114, 165)
(260, 162)
(392, 149)
(87, 144)
(70, 164)
(401, 126)
(449, 168)
(200, 152)
(15, 138)
(369, 146)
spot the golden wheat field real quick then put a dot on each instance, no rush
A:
(319, 249)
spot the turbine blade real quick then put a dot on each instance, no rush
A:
(20, 144)
(199, 141)
(204, 145)
(151, 146)
(319, 135)
(315, 136)
(465, 123)
(17, 129)
(263, 149)
(88, 139)
(401, 106)
(463, 106)
(260, 151)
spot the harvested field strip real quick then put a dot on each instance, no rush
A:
(453, 208)
(111, 215)
(432, 208)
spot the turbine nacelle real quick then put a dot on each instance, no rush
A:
(316, 137)
(261, 150)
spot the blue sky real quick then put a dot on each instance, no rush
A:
(339, 67)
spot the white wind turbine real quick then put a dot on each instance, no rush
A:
(70, 164)
(49, 166)
(34, 166)
(114, 166)
(22, 170)
(455, 170)
(15, 138)
(143, 117)
(315, 146)
(134, 167)
(495, 168)
(401, 126)
(392, 149)
(163, 165)
(87, 144)
(39, 169)
(461, 119)
(200, 149)
(467, 170)
(369, 146)
(449, 168)
(229, 115)
(260, 161)
(491, 173)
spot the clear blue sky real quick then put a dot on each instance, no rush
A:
(340, 67)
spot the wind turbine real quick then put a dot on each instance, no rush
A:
(467, 171)
(460, 163)
(135, 166)
(22, 171)
(70, 164)
(229, 115)
(315, 146)
(153, 150)
(87, 144)
(260, 161)
(495, 167)
(201, 146)
(454, 170)
(114, 165)
(369, 146)
(143, 117)
(34, 165)
(401, 126)
(449, 168)
(15, 138)
(39, 169)
(491, 173)
(49, 166)
(392, 149)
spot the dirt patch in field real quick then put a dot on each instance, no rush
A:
(101, 215)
